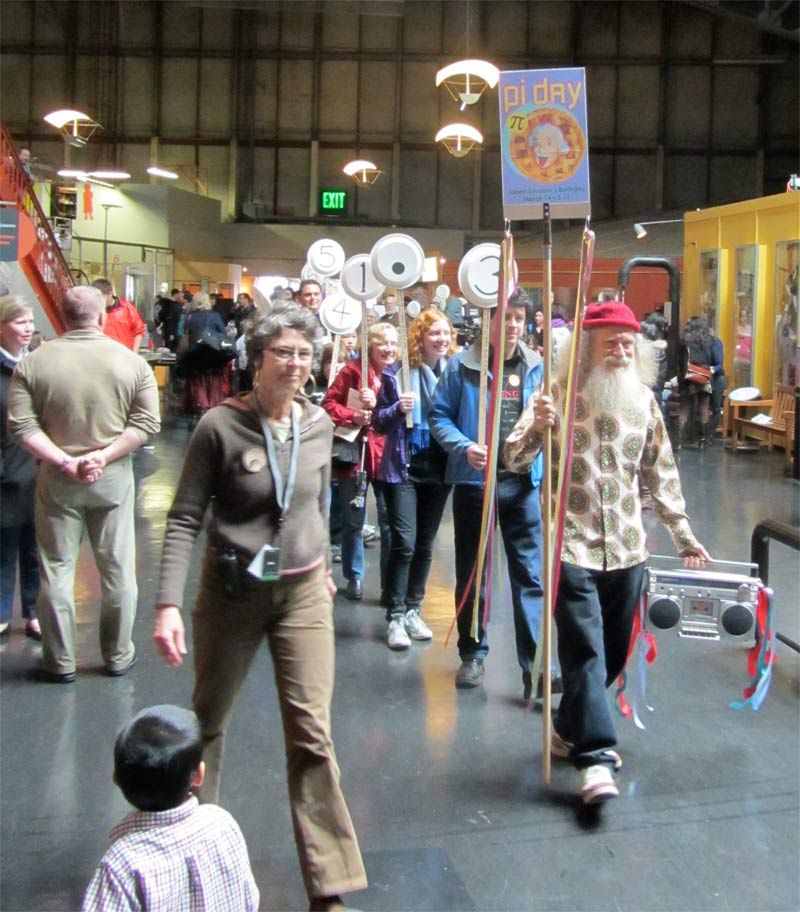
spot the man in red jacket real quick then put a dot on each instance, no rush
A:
(123, 321)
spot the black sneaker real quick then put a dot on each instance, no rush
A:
(470, 674)
(556, 685)
(527, 685)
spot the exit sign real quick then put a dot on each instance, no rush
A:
(333, 201)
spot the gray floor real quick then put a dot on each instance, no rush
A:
(444, 786)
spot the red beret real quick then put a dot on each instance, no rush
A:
(610, 313)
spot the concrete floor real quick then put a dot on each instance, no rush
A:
(445, 786)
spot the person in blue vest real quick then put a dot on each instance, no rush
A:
(453, 422)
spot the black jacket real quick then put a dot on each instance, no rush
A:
(17, 466)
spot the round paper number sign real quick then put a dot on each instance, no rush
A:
(358, 279)
(442, 292)
(326, 257)
(479, 275)
(397, 260)
(340, 314)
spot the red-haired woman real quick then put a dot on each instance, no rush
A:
(415, 502)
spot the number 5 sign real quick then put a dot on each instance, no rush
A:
(326, 257)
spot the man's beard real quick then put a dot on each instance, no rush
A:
(611, 390)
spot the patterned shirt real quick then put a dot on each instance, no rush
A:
(191, 858)
(603, 527)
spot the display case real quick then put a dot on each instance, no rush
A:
(744, 315)
(786, 359)
(709, 288)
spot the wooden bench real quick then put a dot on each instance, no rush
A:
(780, 423)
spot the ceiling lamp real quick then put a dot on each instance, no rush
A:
(363, 172)
(110, 175)
(82, 176)
(76, 128)
(467, 80)
(161, 172)
(459, 139)
(641, 231)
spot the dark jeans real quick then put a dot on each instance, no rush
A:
(415, 512)
(594, 617)
(520, 521)
(336, 520)
(353, 523)
(18, 543)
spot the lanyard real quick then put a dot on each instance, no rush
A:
(283, 494)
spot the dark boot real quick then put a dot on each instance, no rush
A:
(703, 435)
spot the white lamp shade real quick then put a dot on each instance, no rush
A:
(480, 69)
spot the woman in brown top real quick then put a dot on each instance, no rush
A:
(262, 462)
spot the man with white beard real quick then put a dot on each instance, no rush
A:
(619, 441)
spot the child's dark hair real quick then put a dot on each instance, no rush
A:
(155, 756)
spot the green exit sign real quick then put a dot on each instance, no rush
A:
(333, 201)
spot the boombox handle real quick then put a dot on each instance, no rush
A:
(751, 568)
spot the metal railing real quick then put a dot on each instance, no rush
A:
(44, 267)
(766, 531)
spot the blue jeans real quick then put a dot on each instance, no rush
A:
(594, 617)
(353, 523)
(519, 517)
(18, 544)
(415, 512)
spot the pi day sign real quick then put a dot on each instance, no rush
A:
(544, 142)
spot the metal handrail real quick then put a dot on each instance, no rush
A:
(45, 266)
(764, 532)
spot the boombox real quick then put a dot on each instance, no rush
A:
(703, 604)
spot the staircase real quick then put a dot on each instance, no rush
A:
(44, 267)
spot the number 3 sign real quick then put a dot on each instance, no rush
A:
(326, 257)
(479, 275)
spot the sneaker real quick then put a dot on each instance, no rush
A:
(397, 638)
(470, 674)
(416, 628)
(556, 685)
(369, 534)
(560, 749)
(336, 554)
(597, 784)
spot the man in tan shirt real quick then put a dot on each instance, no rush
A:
(81, 405)
(619, 440)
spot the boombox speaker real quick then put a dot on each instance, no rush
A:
(703, 604)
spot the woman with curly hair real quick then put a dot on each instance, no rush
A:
(415, 499)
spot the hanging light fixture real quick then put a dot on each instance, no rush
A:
(161, 172)
(110, 175)
(363, 172)
(76, 127)
(459, 139)
(467, 80)
(641, 231)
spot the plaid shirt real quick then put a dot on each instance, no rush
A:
(191, 858)
(603, 528)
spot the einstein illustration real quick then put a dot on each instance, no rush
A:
(546, 144)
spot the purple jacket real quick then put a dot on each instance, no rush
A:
(389, 420)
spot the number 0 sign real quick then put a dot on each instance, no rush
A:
(326, 257)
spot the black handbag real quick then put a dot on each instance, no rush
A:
(214, 340)
(345, 453)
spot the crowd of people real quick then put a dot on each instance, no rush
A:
(282, 479)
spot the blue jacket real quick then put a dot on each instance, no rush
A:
(454, 415)
(389, 420)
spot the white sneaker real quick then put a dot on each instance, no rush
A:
(560, 749)
(397, 637)
(416, 628)
(597, 784)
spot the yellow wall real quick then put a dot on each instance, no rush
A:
(763, 222)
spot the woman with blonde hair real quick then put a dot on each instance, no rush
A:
(18, 471)
(346, 410)
(412, 473)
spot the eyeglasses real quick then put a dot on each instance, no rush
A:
(286, 354)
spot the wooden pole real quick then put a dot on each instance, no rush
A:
(547, 500)
(402, 343)
(337, 342)
(364, 346)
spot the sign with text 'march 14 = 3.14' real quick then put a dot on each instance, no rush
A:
(544, 142)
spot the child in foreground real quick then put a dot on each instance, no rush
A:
(171, 853)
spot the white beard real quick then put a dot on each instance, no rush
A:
(611, 391)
